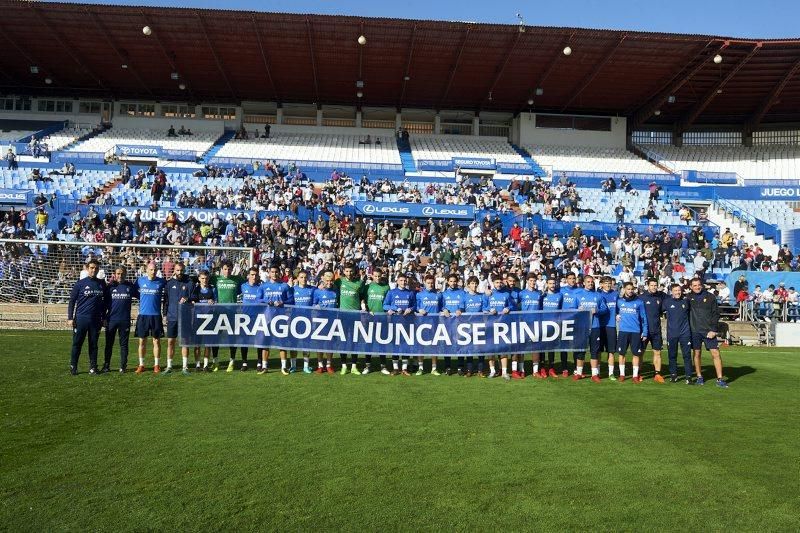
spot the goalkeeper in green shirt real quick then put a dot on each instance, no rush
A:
(376, 293)
(228, 289)
(351, 298)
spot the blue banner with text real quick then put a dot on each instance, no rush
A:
(134, 151)
(408, 210)
(335, 331)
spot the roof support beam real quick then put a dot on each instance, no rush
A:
(122, 57)
(313, 60)
(22, 53)
(594, 72)
(264, 58)
(169, 56)
(216, 57)
(755, 119)
(453, 69)
(641, 115)
(695, 112)
(407, 70)
(69, 49)
(511, 47)
(547, 71)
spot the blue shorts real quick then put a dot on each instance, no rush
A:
(172, 329)
(608, 339)
(149, 326)
(700, 339)
(595, 342)
(627, 339)
(655, 340)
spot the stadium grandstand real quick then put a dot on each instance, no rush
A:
(574, 132)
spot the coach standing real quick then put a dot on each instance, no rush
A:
(703, 321)
(85, 315)
(118, 317)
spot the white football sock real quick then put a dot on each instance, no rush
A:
(622, 369)
(513, 366)
(636, 371)
(579, 370)
(185, 362)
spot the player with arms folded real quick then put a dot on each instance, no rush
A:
(632, 327)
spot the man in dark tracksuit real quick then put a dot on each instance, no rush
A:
(119, 297)
(676, 308)
(653, 298)
(85, 315)
(178, 289)
(703, 321)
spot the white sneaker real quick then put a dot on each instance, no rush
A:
(365, 371)
(385, 371)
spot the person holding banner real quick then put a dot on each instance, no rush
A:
(474, 303)
(591, 300)
(228, 287)
(570, 301)
(399, 301)
(202, 293)
(632, 326)
(530, 299)
(376, 294)
(252, 293)
(608, 323)
(428, 302)
(149, 323)
(453, 306)
(277, 293)
(553, 300)
(351, 297)
(179, 287)
(512, 288)
(498, 303)
(304, 297)
(676, 309)
(326, 297)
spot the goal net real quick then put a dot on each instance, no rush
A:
(36, 277)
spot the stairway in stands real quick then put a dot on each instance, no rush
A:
(404, 147)
(538, 171)
(217, 146)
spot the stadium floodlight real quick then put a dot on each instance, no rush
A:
(124, 65)
(671, 99)
(48, 81)
(717, 59)
(146, 30)
(182, 86)
(657, 112)
(530, 101)
(360, 84)
(34, 69)
(539, 91)
(406, 78)
(362, 40)
(174, 76)
(359, 94)
(567, 50)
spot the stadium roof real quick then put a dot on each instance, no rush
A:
(233, 56)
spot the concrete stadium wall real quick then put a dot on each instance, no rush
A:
(524, 131)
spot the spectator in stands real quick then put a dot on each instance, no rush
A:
(785, 257)
(619, 211)
(266, 131)
(740, 285)
(182, 131)
(723, 292)
(654, 189)
(171, 131)
(11, 157)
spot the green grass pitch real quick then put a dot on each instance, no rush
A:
(242, 451)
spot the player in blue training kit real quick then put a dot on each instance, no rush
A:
(277, 293)
(530, 299)
(428, 302)
(85, 313)
(552, 301)
(177, 292)
(653, 298)
(591, 300)
(570, 291)
(118, 317)
(473, 304)
(608, 323)
(399, 301)
(498, 303)
(252, 293)
(150, 323)
(453, 306)
(326, 297)
(632, 327)
(517, 360)
(304, 297)
(676, 309)
(202, 293)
